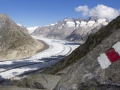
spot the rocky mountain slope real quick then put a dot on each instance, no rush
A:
(72, 29)
(87, 73)
(29, 29)
(15, 42)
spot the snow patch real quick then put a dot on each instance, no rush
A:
(70, 24)
(31, 29)
(52, 24)
(83, 23)
(65, 19)
(78, 23)
(101, 20)
(19, 24)
(90, 23)
(105, 23)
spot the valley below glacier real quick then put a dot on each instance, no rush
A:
(16, 69)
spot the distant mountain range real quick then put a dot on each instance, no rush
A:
(71, 29)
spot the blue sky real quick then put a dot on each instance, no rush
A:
(42, 12)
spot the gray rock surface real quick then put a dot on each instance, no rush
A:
(87, 74)
(15, 42)
(39, 81)
(81, 34)
(16, 88)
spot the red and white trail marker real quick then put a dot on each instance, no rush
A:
(110, 56)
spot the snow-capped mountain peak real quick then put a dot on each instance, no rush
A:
(52, 24)
(71, 28)
(83, 23)
(70, 24)
(90, 23)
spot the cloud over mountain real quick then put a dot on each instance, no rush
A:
(101, 11)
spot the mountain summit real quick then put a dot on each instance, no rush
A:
(15, 42)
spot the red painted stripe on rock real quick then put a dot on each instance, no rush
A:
(112, 55)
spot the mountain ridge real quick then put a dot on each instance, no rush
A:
(65, 28)
(15, 41)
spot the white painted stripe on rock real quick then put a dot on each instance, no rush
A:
(103, 61)
(117, 47)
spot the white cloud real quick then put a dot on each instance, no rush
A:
(101, 11)
(83, 9)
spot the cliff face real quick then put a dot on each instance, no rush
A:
(15, 42)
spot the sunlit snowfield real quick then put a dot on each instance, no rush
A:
(57, 50)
